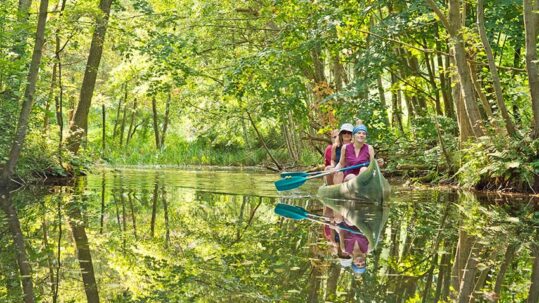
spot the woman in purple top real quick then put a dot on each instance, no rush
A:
(356, 246)
(352, 245)
(357, 152)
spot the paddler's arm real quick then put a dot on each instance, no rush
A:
(334, 159)
(341, 239)
(343, 151)
(371, 153)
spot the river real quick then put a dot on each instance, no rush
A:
(199, 235)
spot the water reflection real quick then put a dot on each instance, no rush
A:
(155, 236)
(15, 251)
(359, 225)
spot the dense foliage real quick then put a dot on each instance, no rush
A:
(250, 83)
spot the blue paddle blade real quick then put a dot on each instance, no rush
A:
(290, 211)
(289, 183)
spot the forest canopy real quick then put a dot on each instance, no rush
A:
(450, 88)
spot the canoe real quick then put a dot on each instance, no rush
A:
(370, 185)
(368, 217)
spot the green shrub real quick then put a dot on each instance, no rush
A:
(497, 161)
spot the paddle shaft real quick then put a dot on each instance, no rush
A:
(294, 182)
(340, 227)
(339, 170)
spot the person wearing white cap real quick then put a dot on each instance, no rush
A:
(345, 137)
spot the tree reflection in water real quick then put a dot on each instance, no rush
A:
(151, 236)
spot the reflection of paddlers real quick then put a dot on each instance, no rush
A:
(299, 213)
(356, 246)
(368, 217)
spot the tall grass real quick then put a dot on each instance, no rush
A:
(180, 152)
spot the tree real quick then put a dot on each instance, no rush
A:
(79, 123)
(453, 25)
(28, 101)
(531, 25)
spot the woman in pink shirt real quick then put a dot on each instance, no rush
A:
(358, 152)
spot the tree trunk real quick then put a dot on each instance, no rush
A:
(333, 279)
(531, 25)
(59, 99)
(314, 284)
(22, 124)
(468, 94)
(479, 91)
(245, 133)
(58, 253)
(396, 112)
(432, 81)
(122, 125)
(118, 111)
(165, 214)
(493, 70)
(124, 216)
(420, 102)
(465, 130)
(445, 83)
(239, 222)
(381, 95)
(165, 121)
(453, 25)
(49, 99)
(428, 284)
(102, 216)
(83, 252)
(79, 123)
(533, 294)
(14, 224)
(467, 283)
(154, 208)
(463, 251)
(338, 73)
(516, 64)
(103, 129)
(133, 215)
(155, 123)
(444, 267)
(130, 131)
(23, 12)
(279, 166)
(46, 245)
(507, 260)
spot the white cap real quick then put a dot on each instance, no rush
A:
(345, 262)
(347, 127)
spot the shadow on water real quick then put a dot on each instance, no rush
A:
(210, 236)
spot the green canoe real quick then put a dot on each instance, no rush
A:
(370, 185)
(368, 217)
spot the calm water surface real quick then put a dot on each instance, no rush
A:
(135, 235)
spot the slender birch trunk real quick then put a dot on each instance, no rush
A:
(22, 124)
(511, 130)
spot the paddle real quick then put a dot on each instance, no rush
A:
(294, 212)
(298, 174)
(299, 213)
(295, 182)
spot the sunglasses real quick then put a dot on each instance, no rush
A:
(346, 132)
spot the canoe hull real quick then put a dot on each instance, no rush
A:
(370, 185)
